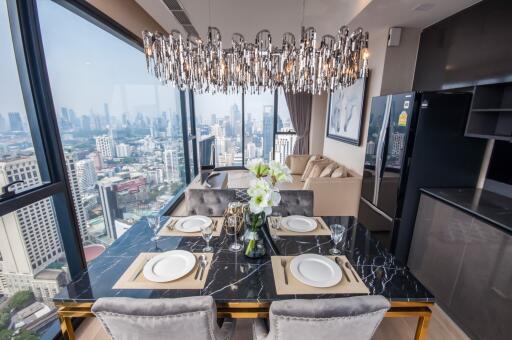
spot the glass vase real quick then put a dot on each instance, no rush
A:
(254, 241)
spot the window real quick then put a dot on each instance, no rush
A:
(268, 130)
(219, 123)
(16, 140)
(121, 129)
(285, 133)
(259, 125)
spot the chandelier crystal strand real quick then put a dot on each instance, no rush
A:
(207, 67)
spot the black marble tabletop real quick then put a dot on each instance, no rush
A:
(487, 205)
(234, 277)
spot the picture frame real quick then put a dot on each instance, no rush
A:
(345, 113)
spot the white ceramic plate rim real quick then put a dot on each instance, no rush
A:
(179, 225)
(285, 222)
(174, 273)
(327, 282)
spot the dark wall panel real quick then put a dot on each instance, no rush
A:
(471, 47)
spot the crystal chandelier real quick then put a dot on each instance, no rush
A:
(207, 67)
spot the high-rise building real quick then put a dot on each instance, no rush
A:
(15, 122)
(86, 123)
(97, 160)
(171, 168)
(206, 151)
(123, 150)
(284, 146)
(74, 182)
(268, 131)
(29, 239)
(86, 174)
(105, 146)
(109, 204)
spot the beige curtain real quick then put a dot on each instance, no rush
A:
(299, 105)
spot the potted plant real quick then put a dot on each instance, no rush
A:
(264, 195)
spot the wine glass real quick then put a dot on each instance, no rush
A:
(337, 234)
(206, 233)
(154, 224)
(233, 225)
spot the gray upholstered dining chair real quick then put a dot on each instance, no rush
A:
(295, 202)
(354, 318)
(190, 318)
(208, 202)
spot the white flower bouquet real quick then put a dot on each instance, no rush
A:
(263, 194)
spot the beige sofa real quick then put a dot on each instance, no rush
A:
(333, 196)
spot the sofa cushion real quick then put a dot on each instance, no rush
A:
(295, 184)
(339, 172)
(318, 167)
(309, 166)
(328, 170)
(298, 165)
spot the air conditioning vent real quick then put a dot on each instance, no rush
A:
(173, 5)
(182, 17)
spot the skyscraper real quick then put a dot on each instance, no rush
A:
(86, 174)
(109, 204)
(268, 131)
(105, 146)
(29, 239)
(171, 165)
(123, 150)
(15, 123)
(77, 195)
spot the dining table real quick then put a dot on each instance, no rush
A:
(244, 287)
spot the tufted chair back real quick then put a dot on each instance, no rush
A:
(208, 202)
(295, 202)
(191, 318)
(352, 318)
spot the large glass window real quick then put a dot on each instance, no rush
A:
(268, 130)
(121, 130)
(219, 123)
(259, 125)
(285, 133)
(16, 144)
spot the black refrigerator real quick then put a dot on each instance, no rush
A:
(415, 140)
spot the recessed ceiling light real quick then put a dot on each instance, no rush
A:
(426, 6)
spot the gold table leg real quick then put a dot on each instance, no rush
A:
(421, 328)
(243, 310)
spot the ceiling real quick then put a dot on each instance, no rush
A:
(279, 16)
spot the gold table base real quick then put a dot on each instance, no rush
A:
(252, 310)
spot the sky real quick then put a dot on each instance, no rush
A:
(88, 67)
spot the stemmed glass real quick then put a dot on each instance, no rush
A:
(234, 209)
(154, 219)
(206, 233)
(337, 234)
(233, 225)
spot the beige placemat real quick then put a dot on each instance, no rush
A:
(168, 231)
(321, 229)
(294, 286)
(133, 278)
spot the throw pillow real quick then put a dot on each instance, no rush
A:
(318, 167)
(340, 172)
(298, 165)
(328, 170)
(309, 166)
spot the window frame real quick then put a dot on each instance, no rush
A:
(48, 148)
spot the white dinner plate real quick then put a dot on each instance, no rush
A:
(169, 266)
(315, 270)
(192, 224)
(299, 224)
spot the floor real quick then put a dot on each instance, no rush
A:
(441, 328)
